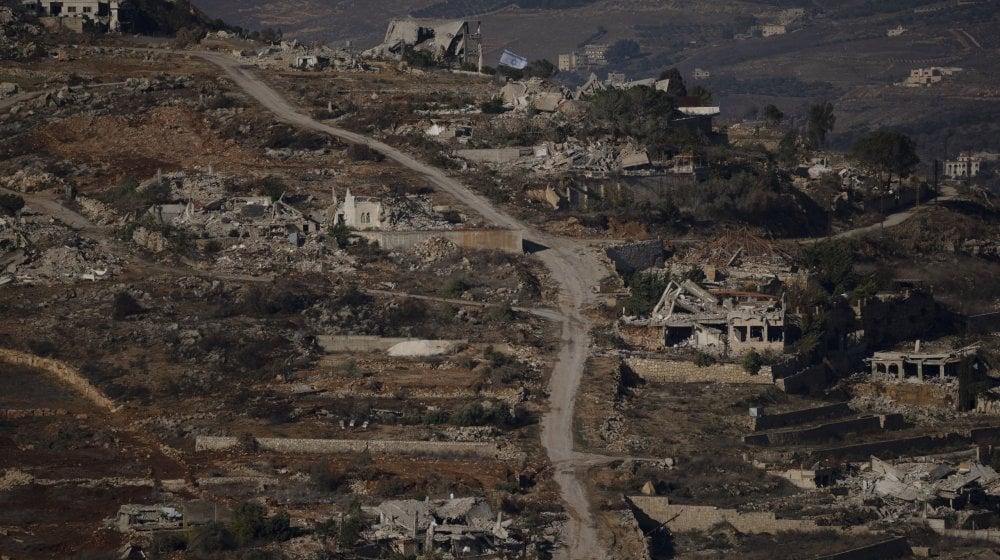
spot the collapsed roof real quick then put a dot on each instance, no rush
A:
(442, 38)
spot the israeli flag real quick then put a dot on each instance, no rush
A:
(514, 61)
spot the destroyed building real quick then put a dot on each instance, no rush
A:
(719, 321)
(443, 40)
(461, 527)
(361, 213)
(78, 15)
(132, 517)
(739, 258)
(917, 365)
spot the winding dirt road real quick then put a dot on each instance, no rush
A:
(572, 264)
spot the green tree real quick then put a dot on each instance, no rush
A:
(820, 122)
(212, 537)
(752, 362)
(773, 115)
(832, 261)
(676, 87)
(702, 93)
(272, 186)
(353, 526)
(642, 113)
(886, 153)
(788, 149)
(249, 520)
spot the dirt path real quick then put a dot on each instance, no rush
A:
(574, 265)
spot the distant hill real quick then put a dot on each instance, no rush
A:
(836, 50)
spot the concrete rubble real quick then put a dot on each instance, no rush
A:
(456, 527)
(714, 320)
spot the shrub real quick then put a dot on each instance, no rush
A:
(492, 107)
(211, 538)
(363, 152)
(752, 362)
(124, 305)
(703, 360)
(10, 203)
(272, 187)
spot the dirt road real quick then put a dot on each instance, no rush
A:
(572, 264)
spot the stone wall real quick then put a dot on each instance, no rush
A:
(508, 240)
(828, 431)
(66, 373)
(916, 394)
(682, 518)
(667, 371)
(325, 446)
(794, 417)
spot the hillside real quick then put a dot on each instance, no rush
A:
(838, 51)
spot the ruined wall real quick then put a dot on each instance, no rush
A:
(645, 337)
(508, 240)
(324, 446)
(794, 417)
(665, 371)
(67, 374)
(916, 394)
(682, 518)
(810, 380)
(828, 431)
(893, 448)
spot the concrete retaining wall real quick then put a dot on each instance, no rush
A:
(681, 518)
(827, 431)
(809, 380)
(329, 446)
(357, 343)
(782, 419)
(66, 373)
(916, 394)
(892, 548)
(508, 240)
(666, 371)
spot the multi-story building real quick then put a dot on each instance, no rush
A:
(78, 15)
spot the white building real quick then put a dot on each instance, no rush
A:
(965, 166)
(78, 15)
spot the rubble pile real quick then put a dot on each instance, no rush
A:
(16, 36)
(263, 256)
(434, 249)
(936, 489)
(27, 181)
(84, 261)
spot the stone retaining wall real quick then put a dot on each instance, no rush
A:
(828, 430)
(327, 446)
(791, 418)
(508, 240)
(667, 371)
(67, 374)
(682, 518)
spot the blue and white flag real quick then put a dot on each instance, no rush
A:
(514, 61)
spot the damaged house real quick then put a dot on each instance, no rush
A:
(718, 321)
(461, 527)
(78, 15)
(442, 39)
